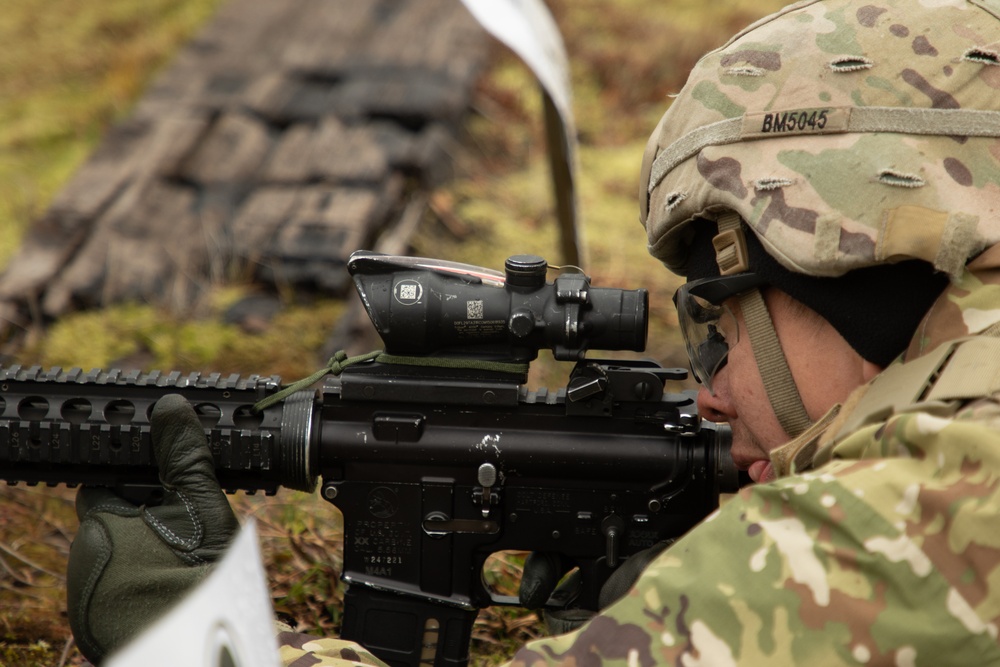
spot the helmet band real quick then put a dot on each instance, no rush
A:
(935, 122)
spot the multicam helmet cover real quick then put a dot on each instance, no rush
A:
(846, 134)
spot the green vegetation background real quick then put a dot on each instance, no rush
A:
(69, 69)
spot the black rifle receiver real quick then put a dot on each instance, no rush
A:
(435, 453)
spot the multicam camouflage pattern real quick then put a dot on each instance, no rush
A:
(886, 553)
(822, 199)
(300, 650)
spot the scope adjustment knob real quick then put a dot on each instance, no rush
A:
(522, 322)
(525, 271)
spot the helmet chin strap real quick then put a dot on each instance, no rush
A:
(778, 381)
(786, 401)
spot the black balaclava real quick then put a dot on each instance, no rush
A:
(876, 309)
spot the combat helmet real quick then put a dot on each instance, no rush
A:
(838, 136)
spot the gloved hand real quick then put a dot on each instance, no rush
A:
(544, 578)
(130, 564)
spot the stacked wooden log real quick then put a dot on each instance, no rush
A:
(286, 135)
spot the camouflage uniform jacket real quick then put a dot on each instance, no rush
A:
(885, 550)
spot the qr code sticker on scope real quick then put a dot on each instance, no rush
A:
(474, 310)
(408, 292)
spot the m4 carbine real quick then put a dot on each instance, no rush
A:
(434, 451)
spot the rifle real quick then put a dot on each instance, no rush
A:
(434, 451)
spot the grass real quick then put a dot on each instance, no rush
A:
(134, 335)
(69, 69)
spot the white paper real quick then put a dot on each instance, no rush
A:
(528, 29)
(230, 611)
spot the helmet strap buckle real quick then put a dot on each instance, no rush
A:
(731, 246)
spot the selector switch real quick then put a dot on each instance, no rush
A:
(614, 531)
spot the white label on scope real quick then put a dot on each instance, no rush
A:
(408, 292)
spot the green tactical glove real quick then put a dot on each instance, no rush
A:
(545, 579)
(129, 564)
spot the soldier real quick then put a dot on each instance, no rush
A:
(829, 184)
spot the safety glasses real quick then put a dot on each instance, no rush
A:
(709, 327)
